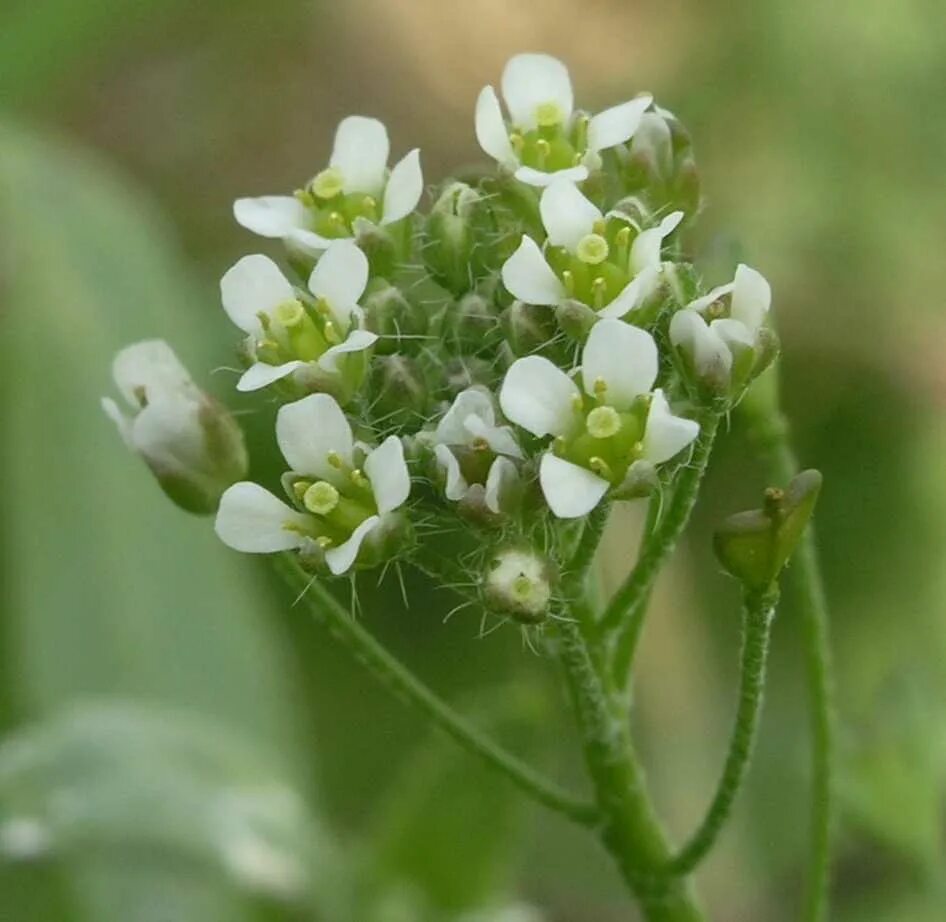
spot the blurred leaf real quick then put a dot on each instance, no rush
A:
(146, 785)
(106, 587)
(448, 834)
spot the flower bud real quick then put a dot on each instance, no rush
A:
(192, 444)
(471, 320)
(527, 327)
(576, 319)
(452, 236)
(754, 546)
(378, 244)
(398, 390)
(395, 318)
(518, 583)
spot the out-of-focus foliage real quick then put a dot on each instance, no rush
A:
(820, 133)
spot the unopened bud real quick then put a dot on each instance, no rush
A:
(398, 390)
(528, 326)
(449, 250)
(518, 583)
(191, 443)
(576, 319)
(471, 319)
(397, 320)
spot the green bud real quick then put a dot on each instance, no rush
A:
(471, 320)
(576, 319)
(398, 390)
(528, 326)
(465, 371)
(452, 236)
(378, 245)
(398, 321)
(754, 546)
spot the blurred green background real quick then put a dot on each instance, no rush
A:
(180, 743)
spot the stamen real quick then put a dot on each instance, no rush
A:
(568, 280)
(543, 150)
(335, 460)
(299, 488)
(330, 332)
(598, 290)
(601, 468)
(517, 141)
(359, 479)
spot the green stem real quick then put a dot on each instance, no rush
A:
(758, 613)
(625, 614)
(397, 677)
(772, 433)
(629, 829)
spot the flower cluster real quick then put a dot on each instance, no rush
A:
(455, 389)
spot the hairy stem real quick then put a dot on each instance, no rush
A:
(772, 433)
(629, 829)
(758, 613)
(399, 679)
(624, 616)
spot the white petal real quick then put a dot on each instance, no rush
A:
(168, 434)
(122, 422)
(530, 278)
(624, 357)
(499, 438)
(502, 476)
(638, 290)
(733, 332)
(270, 215)
(357, 341)
(261, 375)
(341, 558)
(340, 277)
(149, 368)
(456, 486)
(533, 177)
(700, 304)
(751, 297)
(666, 434)
(308, 242)
(404, 188)
(571, 491)
(690, 332)
(529, 80)
(538, 396)
(388, 473)
(253, 285)
(645, 251)
(308, 430)
(472, 402)
(491, 130)
(252, 520)
(617, 124)
(360, 153)
(567, 214)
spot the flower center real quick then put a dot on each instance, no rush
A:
(592, 249)
(327, 184)
(289, 313)
(321, 498)
(603, 422)
(549, 114)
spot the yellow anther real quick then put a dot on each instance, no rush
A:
(600, 387)
(577, 403)
(517, 141)
(322, 306)
(335, 460)
(623, 236)
(568, 280)
(359, 479)
(330, 332)
(369, 205)
(327, 184)
(324, 542)
(479, 444)
(600, 227)
(338, 220)
(601, 468)
(267, 344)
(299, 488)
(598, 289)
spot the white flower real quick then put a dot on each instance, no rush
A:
(468, 433)
(356, 186)
(344, 505)
(190, 442)
(604, 269)
(712, 346)
(282, 335)
(599, 435)
(545, 138)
